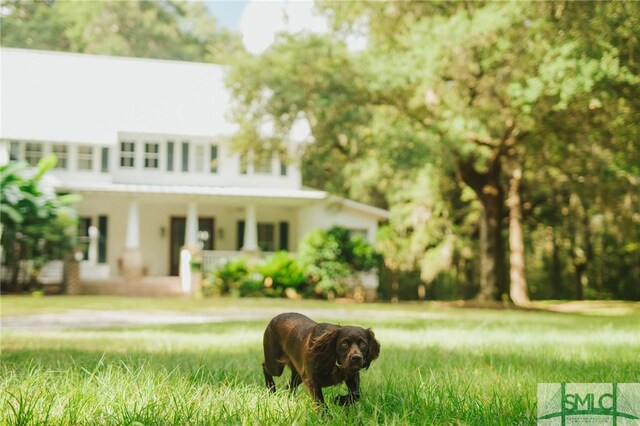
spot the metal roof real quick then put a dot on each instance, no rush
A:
(67, 97)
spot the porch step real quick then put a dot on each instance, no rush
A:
(145, 287)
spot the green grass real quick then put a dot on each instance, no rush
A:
(438, 365)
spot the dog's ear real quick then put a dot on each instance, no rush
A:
(322, 349)
(373, 349)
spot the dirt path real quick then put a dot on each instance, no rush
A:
(103, 319)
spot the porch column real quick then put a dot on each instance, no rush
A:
(191, 226)
(133, 226)
(94, 234)
(131, 262)
(250, 243)
(191, 253)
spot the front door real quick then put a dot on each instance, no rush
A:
(178, 226)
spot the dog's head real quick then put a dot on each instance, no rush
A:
(349, 348)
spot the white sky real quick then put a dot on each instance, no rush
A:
(262, 19)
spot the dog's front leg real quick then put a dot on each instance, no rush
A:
(315, 391)
(353, 384)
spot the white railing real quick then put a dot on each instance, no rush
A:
(51, 272)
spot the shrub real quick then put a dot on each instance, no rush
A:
(325, 262)
(331, 257)
(226, 279)
(281, 272)
(271, 278)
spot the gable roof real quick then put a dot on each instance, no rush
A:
(56, 96)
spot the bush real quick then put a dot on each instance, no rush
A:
(271, 278)
(331, 257)
(281, 272)
(226, 279)
(325, 262)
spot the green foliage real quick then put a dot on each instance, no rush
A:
(282, 271)
(279, 275)
(332, 256)
(37, 224)
(163, 29)
(434, 133)
(226, 279)
(322, 268)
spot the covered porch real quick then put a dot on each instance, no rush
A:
(153, 233)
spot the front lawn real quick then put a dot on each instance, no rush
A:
(438, 365)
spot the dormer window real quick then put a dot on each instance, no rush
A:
(33, 153)
(151, 155)
(263, 164)
(198, 159)
(213, 163)
(60, 151)
(185, 156)
(170, 155)
(85, 158)
(244, 164)
(127, 154)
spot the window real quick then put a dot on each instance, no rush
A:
(104, 160)
(33, 153)
(151, 155)
(263, 164)
(127, 154)
(61, 152)
(170, 148)
(85, 158)
(283, 165)
(14, 151)
(185, 156)
(266, 236)
(199, 159)
(244, 164)
(213, 163)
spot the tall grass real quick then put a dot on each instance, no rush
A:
(451, 366)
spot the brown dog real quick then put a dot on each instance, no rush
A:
(318, 354)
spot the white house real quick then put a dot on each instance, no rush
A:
(146, 144)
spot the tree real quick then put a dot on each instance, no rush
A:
(36, 224)
(331, 256)
(163, 29)
(477, 90)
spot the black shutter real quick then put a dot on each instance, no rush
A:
(240, 234)
(284, 236)
(102, 239)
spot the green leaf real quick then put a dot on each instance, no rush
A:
(13, 214)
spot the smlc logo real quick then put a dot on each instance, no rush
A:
(588, 403)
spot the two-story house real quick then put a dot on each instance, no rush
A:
(146, 144)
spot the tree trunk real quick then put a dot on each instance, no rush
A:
(518, 282)
(577, 259)
(556, 267)
(14, 265)
(492, 254)
(394, 287)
